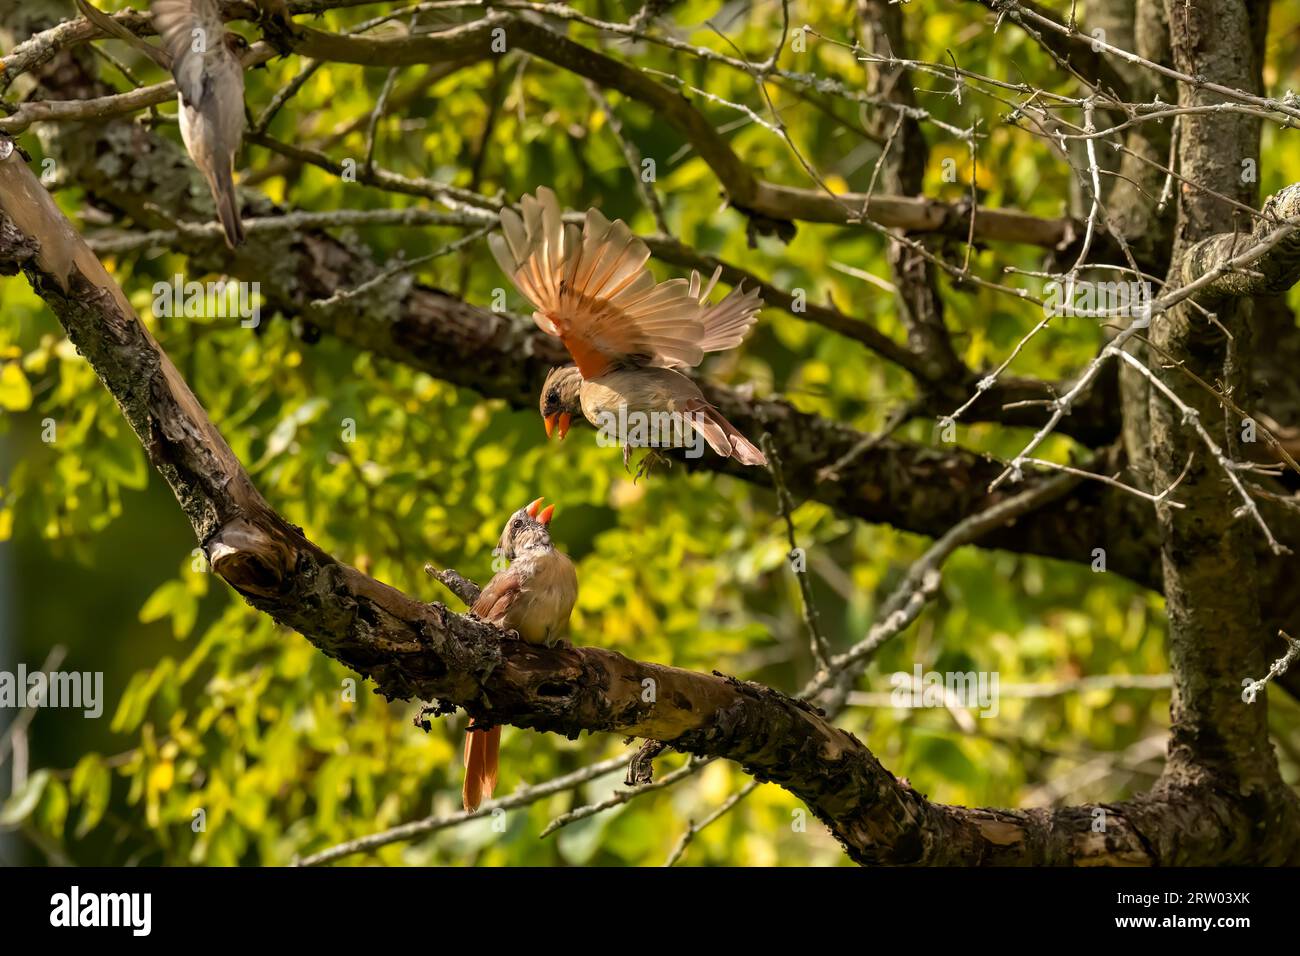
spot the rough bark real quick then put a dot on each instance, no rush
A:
(1221, 800)
(924, 490)
(901, 170)
(913, 487)
(424, 650)
(1217, 636)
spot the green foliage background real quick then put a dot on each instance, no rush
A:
(211, 706)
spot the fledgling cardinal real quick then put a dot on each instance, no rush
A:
(533, 597)
(205, 62)
(628, 334)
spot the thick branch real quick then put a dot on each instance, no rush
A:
(1273, 273)
(414, 649)
(912, 487)
(757, 197)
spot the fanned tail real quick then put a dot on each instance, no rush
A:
(482, 759)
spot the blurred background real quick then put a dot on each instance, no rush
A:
(209, 706)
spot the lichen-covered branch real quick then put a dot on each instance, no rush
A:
(413, 649)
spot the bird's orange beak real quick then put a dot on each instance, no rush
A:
(562, 420)
(544, 515)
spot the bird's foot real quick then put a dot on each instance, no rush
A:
(652, 458)
(627, 459)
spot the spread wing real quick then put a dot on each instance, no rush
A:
(593, 291)
(190, 30)
(726, 323)
(112, 28)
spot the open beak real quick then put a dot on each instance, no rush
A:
(560, 420)
(542, 516)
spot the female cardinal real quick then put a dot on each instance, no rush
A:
(205, 62)
(627, 333)
(533, 597)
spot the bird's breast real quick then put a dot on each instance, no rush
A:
(549, 590)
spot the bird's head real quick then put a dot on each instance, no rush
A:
(526, 530)
(236, 44)
(561, 399)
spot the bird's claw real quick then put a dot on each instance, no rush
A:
(648, 463)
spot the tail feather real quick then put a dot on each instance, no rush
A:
(482, 760)
(724, 437)
(744, 450)
(227, 202)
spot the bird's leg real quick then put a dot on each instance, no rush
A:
(652, 458)
(627, 459)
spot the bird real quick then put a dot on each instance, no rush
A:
(629, 336)
(205, 62)
(534, 597)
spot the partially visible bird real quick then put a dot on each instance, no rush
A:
(628, 334)
(205, 62)
(534, 597)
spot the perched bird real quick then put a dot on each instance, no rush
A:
(628, 334)
(534, 597)
(205, 62)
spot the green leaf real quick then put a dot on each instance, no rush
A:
(24, 801)
(122, 460)
(160, 603)
(92, 784)
(175, 600)
(15, 393)
(52, 814)
(283, 434)
(139, 694)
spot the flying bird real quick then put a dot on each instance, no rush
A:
(534, 597)
(205, 62)
(629, 335)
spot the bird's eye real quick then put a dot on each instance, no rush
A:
(553, 396)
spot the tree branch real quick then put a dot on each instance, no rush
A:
(413, 649)
(913, 487)
(1274, 272)
(770, 202)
